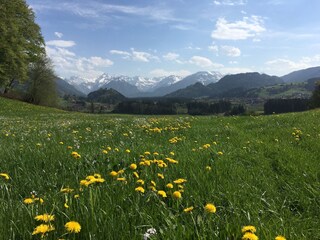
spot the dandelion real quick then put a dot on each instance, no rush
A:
(73, 227)
(179, 181)
(160, 175)
(280, 238)
(113, 174)
(104, 151)
(176, 194)
(208, 168)
(135, 174)
(140, 181)
(5, 176)
(75, 155)
(249, 236)
(249, 228)
(127, 151)
(220, 153)
(162, 193)
(169, 185)
(43, 229)
(66, 190)
(28, 201)
(188, 209)
(133, 166)
(210, 208)
(44, 217)
(139, 189)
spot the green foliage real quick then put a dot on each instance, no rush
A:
(315, 98)
(20, 40)
(261, 171)
(42, 87)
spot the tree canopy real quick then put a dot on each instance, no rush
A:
(21, 41)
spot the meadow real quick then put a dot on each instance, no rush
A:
(79, 176)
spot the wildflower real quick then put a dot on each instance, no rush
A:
(133, 166)
(61, 143)
(140, 181)
(220, 153)
(210, 208)
(73, 227)
(66, 190)
(147, 153)
(150, 232)
(249, 228)
(43, 229)
(75, 155)
(69, 147)
(104, 151)
(249, 236)
(208, 168)
(153, 183)
(171, 153)
(188, 209)
(139, 189)
(66, 205)
(76, 196)
(5, 176)
(113, 174)
(44, 217)
(176, 195)
(28, 201)
(128, 151)
(179, 181)
(136, 174)
(160, 176)
(162, 193)
(169, 185)
(280, 238)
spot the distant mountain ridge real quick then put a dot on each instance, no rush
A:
(140, 86)
(302, 75)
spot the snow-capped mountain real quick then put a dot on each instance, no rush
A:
(142, 86)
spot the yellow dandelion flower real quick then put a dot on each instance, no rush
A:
(140, 181)
(156, 154)
(135, 174)
(5, 176)
(127, 151)
(249, 236)
(133, 166)
(152, 188)
(43, 229)
(160, 176)
(162, 193)
(76, 196)
(104, 151)
(176, 195)
(153, 183)
(75, 155)
(66, 190)
(169, 185)
(220, 153)
(188, 209)
(179, 181)
(73, 227)
(208, 168)
(113, 174)
(210, 208)
(171, 153)
(66, 205)
(248, 228)
(61, 143)
(139, 189)
(44, 217)
(280, 238)
(147, 153)
(28, 201)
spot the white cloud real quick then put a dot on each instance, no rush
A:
(203, 62)
(214, 48)
(281, 66)
(230, 2)
(231, 51)
(61, 43)
(170, 56)
(67, 63)
(248, 27)
(162, 72)
(58, 34)
(124, 54)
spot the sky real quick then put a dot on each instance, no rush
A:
(153, 38)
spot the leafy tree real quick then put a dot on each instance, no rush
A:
(315, 98)
(21, 42)
(42, 88)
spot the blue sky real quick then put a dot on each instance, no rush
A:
(156, 38)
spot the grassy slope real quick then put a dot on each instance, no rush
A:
(264, 178)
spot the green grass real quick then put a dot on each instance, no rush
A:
(266, 177)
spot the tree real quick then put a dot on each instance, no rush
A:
(21, 42)
(42, 87)
(315, 98)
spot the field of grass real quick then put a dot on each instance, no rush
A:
(120, 175)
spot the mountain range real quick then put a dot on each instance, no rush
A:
(200, 84)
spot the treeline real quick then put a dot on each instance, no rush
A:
(146, 107)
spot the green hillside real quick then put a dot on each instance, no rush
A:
(119, 175)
